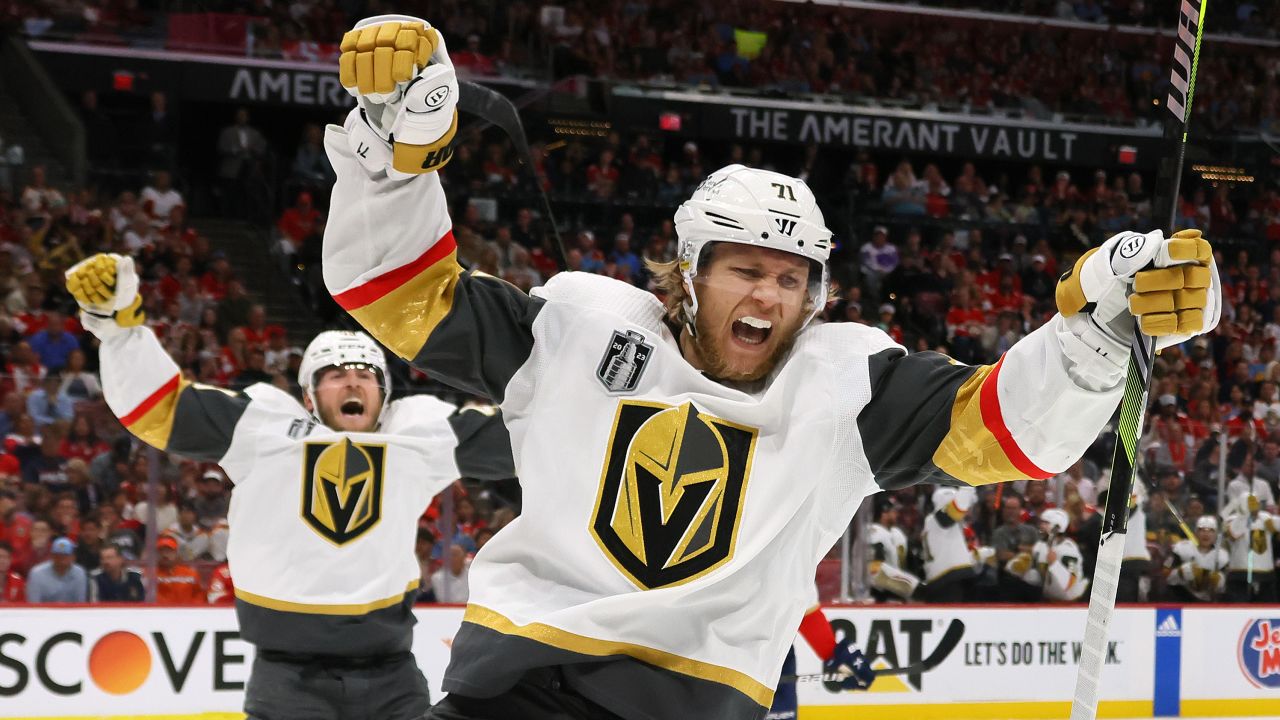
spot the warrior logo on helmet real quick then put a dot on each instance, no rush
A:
(670, 496)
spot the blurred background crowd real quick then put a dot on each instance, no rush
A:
(959, 256)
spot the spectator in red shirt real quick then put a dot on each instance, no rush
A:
(213, 284)
(472, 59)
(222, 590)
(298, 223)
(15, 526)
(965, 322)
(13, 589)
(24, 368)
(81, 441)
(257, 333)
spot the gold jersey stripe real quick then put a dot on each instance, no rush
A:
(152, 420)
(555, 637)
(324, 609)
(405, 314)
(970, 452)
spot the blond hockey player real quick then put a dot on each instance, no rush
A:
(686, 463)
(1198, 569)
(327, 497)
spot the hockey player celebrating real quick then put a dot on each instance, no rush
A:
(686, 462)
(327, 499)
(1198, 567)
(1251, 576)
(949, 565)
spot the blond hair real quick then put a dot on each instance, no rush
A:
(668, 284)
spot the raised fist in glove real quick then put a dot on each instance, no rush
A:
(848, 663)
(1169, 284)
(106, 287)
(399, 71)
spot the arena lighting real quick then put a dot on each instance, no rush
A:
(1225, 173)
(581, 128)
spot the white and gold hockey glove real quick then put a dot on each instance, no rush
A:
(1169, 284)
(106, 287)
(399, 71)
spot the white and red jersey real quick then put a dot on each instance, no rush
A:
(670, 522)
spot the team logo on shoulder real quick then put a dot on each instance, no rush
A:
(670, 498)
(624, 362)
(342, 488)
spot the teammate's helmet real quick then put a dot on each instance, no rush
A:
(342, 348)
(753, 207)
(942, 497)
(1056, 519)
(1207, 522)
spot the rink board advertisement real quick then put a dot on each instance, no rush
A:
(1011, 662)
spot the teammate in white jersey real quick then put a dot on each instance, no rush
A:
(949, 565)
(326, 505)
(1058, 558)
(1248, 528)
(887, 547)
(686, 462)
(1198, 568)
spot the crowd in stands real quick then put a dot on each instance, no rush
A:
(961, 258)
(781, 47)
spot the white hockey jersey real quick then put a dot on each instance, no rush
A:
(1202, 572)
(671, 524)
(887, 545)
(1249, 541)
(946, 552)
(324, 522)
(1062, 579)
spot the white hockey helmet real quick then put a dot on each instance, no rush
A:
(943, 496)
(1207, 522)
(745, 205)
(342, 348)
(1056, 519)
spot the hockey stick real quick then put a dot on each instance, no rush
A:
(950, 639)
(496, 109)
(1133, 406)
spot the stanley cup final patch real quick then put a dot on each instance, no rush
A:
(624, 362)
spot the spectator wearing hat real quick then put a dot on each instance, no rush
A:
(886, 323)
(878, 258)
(211, 501)
(176, 583)
(58, 579)
(112, 581)
(13, 589)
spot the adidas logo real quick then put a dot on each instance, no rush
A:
(1169, 628)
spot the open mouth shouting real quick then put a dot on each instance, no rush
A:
(352, 408)
(751, 330)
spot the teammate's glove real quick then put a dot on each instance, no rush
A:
(399, 71)
(106, 287)
(848, 662)
(1170, 284)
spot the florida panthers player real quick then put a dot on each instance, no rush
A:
(686, 464)
(326, 505)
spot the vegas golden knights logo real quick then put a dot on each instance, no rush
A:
(670, 497)
(342, 488)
